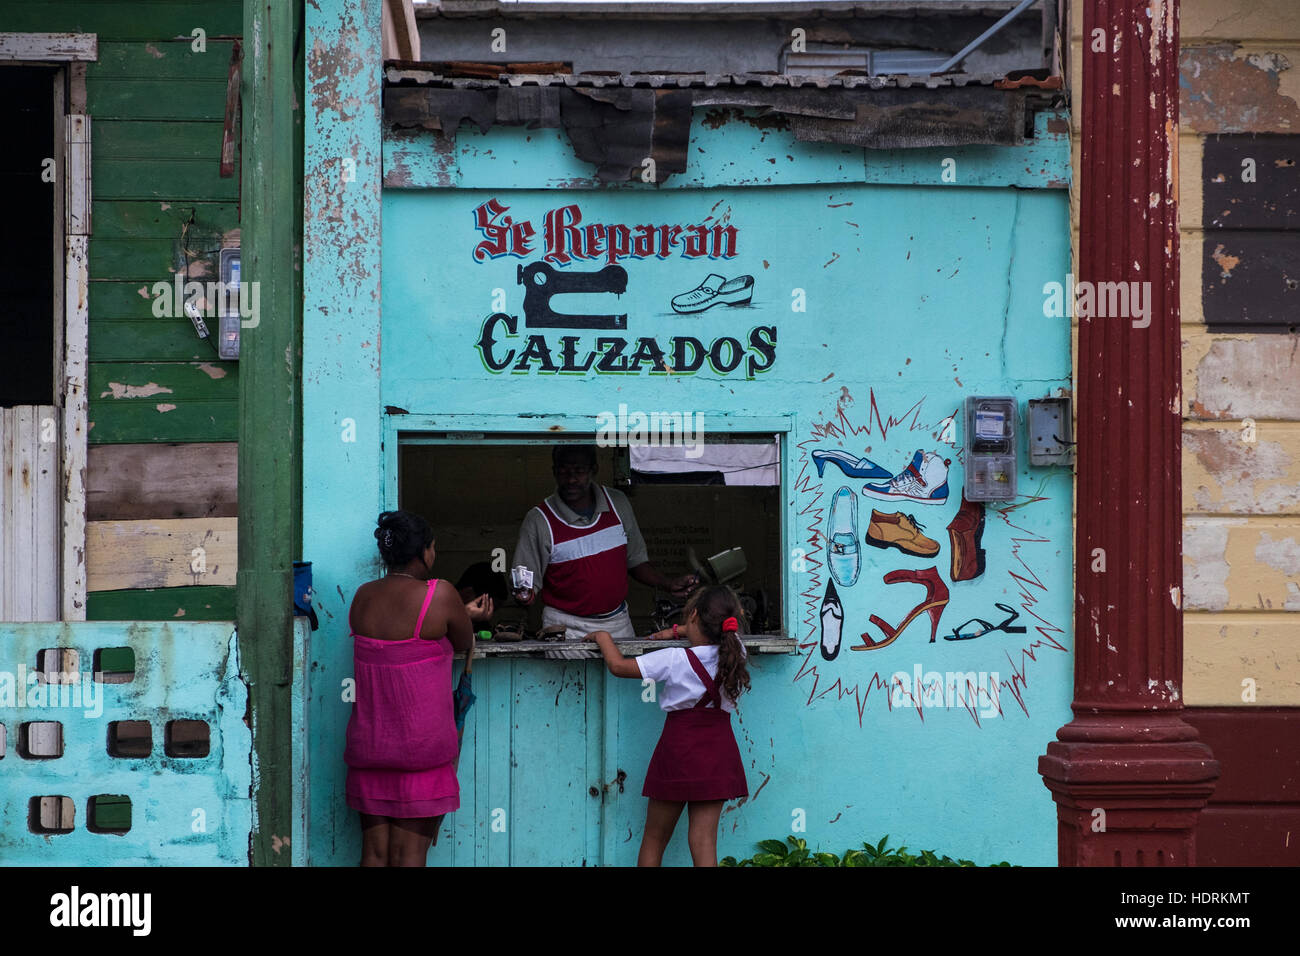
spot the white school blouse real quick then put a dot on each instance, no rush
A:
(682, 686)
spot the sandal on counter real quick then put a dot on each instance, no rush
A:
(508, 632)
(554, 632)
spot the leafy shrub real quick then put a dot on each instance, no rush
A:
(796, 853)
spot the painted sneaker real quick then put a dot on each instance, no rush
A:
(832, 622)
(842, 552)
(900, 531)
(715, 290)
(924, 481)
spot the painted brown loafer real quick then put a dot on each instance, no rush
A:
(966, 533)
(902, 532)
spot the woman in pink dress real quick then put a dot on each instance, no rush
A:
(401, 739)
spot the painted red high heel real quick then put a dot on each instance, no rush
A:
(936, 599)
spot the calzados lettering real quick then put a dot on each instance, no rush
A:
(681, 354)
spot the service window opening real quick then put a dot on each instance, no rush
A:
(707, 499)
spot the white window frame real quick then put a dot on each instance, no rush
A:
(70, 51)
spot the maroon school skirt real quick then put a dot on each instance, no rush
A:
(696, 758)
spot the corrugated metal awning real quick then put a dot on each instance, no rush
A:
(616, 121)
(401, 74)
(650, 9)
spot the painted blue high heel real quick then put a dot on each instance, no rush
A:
(852, 467)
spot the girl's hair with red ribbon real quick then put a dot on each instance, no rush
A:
(722, 620)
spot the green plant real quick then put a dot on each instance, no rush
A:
(795, 852)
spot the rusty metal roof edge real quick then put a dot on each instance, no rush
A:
(407, 76)
(727, 9)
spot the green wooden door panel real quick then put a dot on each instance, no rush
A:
(157, 139)
(164, 98)
(165, 58)
(154, 382)
(160, 420)
(116, 20)
(148, 340)
(204, 603)
(135, 260)
(127, 299)
(150, 219)
(164, 179)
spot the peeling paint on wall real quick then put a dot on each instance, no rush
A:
(1227, 90)
(1205, 565)
(119, 390)
(1224, 473)
(1239, 377)
(1284, 554)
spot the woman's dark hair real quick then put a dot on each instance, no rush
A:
(715, 604)
(402, 537)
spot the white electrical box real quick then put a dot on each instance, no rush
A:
(1050, 432)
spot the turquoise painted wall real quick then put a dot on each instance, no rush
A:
(191, 811)
(893, 295)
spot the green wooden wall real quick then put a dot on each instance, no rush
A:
(157, 104)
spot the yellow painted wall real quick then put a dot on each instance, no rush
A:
(1241, 391)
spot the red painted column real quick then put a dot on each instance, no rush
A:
(1128, 774)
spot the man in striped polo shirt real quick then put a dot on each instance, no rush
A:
(581, 544)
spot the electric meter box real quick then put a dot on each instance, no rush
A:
(991, 460)
(228, 322)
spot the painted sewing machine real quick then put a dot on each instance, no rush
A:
(542, 281)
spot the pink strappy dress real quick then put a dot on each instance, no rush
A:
(401, 741)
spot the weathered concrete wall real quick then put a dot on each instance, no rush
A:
(189, 805)
(342, 411)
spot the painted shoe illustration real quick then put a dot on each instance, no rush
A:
(842, 552)
(900, 531)
(715, 290)
(852, 467)
(936, 599)
(924, 481)
(978, 627)
(832, 622)
(966, 532)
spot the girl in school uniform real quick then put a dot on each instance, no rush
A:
(696, 764)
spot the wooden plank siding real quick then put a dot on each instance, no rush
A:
(29, 482)
(163, 409)
(202, 603)
(191, 480)
(160, 554)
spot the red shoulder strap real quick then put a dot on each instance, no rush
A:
(424, 609)
(711, 695)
